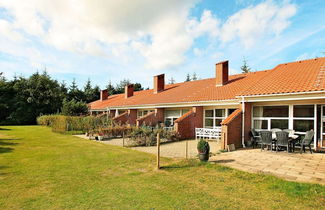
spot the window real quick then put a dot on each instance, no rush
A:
(268, 117)
(142, 113)
(303, 125)
(271, 111)
(172, 115)
(303, 111)
(260, 124)
(230, 111)
(303, 117)
(282, 124)
(214, 117)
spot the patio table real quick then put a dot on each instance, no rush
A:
(291, 141)
(291, 136)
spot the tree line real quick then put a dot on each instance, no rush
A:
(23, 99)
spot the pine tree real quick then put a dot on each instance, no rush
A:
(110, 88)
(194, 77)
(245, 68)
(188, 78)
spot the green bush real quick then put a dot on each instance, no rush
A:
(147, 136)
(74, 124)
(203, 146)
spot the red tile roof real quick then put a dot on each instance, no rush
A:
(294, 77)
(300, 76)
(199, 90)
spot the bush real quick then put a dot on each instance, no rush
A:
(74, 124)
(203, 147)
(147, 136)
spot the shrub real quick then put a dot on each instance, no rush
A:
(203, 146)
(74, 124)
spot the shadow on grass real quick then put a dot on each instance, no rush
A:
(185, 164)
(2, 168)
(7, 143)
(5, 129)
(5, 149)
(223, 161)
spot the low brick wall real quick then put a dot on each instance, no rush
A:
(186, 124)
(231, 130)
(152, 118)
(121, 119)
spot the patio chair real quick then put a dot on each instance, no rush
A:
(282, 140)
(256, 138)
(266, 139)
(306, 141)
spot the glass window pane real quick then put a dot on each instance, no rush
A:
(220, 112)
(185, 111)
(217, 122)
(258, 111)
(231, 111)
(260, 124)
(303, 110)
(276, 111)
(172, 113)
(208, 122)
(303, 125)
(209, 113)
(271, 111)
(282, 124)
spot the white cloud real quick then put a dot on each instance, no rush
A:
(93, 26)
(256, 22)
(208, 24)
(160, 31)
(8, 31)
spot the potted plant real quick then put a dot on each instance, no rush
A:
(203, 149)
(100, 136)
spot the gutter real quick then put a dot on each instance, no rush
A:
(243, 123)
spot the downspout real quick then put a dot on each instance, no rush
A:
(243, 122)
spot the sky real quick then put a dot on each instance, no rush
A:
(108, 40)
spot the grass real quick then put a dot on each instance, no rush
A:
(44, 170)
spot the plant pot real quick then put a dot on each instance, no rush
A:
(204, 156)
(100, 138)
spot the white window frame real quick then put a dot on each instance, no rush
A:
(143, 112)
(268, 119)
(305, 118)
(174, 117)
(214, 117)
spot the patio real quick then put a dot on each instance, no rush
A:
(304, 167)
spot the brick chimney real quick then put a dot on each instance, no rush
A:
(128, 91)
(103, 95)
(158, 83)
(222, 73)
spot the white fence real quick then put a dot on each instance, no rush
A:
(209, 133)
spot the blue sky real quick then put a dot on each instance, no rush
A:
(113, 40)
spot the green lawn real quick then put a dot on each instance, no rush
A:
(44, 170)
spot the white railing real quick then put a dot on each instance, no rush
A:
(209, 133)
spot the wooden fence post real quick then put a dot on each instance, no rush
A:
(158, 151)
(186, 149)
(123, 139)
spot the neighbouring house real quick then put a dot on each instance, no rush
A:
(289, 96)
